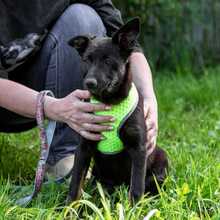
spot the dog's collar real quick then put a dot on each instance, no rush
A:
(122, 111)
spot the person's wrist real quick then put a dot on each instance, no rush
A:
(150, 97)
(51, 108)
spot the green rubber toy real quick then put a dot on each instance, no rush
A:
(112, 143)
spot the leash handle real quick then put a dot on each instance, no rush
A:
(46, 136)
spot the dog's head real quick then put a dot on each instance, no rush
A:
(106, 62)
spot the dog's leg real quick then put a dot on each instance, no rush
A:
(138, 173)
(133, 135)
(157, 167)
(80, 168)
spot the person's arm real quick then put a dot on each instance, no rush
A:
(70, 109)
(17, 98)
(142, 78)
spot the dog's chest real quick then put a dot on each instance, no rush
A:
(112, 144)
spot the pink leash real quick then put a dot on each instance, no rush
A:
(46, 136)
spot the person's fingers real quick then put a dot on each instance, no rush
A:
(151, 137)
(151, 124)
(151, 146)
(94, 119)
(88, 107)
(148, 124)
(151, 129)
(86, 134)
(152, 141)
(96, 128)
(81, 94)
(151, 134)
(91, 136)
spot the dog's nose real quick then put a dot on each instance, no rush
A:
(91, 83)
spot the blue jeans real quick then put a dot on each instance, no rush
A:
(56, 67)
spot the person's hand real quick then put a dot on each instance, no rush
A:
(151, 118)
(78, 114)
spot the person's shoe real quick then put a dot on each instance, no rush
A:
(61, 168)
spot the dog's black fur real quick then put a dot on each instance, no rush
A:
(108, 78)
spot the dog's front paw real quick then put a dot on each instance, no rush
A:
(72, 197)
(134, 196)
(68, 201)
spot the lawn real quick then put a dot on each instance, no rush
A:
(189, 121)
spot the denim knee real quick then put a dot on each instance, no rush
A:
(78, 19)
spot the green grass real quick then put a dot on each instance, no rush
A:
(189, 121)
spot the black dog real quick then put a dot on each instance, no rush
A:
(108, 78)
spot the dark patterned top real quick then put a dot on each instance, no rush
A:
(20, 19)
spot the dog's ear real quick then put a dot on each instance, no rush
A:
(80, 43)
(126, 37)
